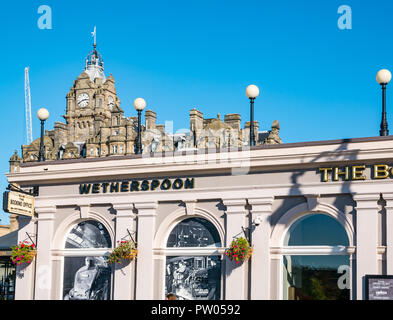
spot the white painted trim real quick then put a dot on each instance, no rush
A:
(268, 190)
(311, 250)
(98, 252)
(264, 157)
(191, 251)
(281, 228)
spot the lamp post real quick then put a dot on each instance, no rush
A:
(383, 78)
(42, 114)
(139, 105)
(252, 92)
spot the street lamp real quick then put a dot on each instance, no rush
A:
(42, 114)
(252, 92)
(383, 78)
(139, 105)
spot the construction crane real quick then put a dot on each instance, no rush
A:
(29, 127)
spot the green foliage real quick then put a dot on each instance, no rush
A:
(239, 251)
(125, 251)
(23, 253)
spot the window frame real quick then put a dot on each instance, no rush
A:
(312, 250)
(82, 252)
(193, 252)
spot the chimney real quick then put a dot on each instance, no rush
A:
(233, 119)
(196, 120)
(151, 118)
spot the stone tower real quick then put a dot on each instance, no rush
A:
(91, 101)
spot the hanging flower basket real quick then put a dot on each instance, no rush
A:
(126, 250)
(23, 253)
(239, 251)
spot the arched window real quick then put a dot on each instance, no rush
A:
(193, 262)
(316, 264)
(87, 275)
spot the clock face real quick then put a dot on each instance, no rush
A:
(111, 102)
(83, 100)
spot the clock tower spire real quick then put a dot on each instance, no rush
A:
(94, 66)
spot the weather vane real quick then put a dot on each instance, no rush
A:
(94, 34)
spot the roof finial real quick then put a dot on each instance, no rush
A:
(94, 34)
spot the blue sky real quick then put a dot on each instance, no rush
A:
(317, 80)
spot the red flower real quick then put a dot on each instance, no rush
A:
(33, 245)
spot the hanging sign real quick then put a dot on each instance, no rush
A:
(18, 203)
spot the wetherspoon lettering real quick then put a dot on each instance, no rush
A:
(132, 186)
(378, 171)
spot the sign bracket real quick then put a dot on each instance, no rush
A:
(31, 238)
(129, 235)
(13, 187)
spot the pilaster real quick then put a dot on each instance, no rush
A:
(366, 239)
(261, 209)
(43, 274)
(145, 267)
(388, 197)
(124, 275)
(235, 285)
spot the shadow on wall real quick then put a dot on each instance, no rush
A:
(295, 191)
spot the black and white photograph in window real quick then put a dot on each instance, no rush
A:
(88, 234)
(86, 278)
(194, 232)
(193, 277)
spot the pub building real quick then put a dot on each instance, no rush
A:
(318, 215)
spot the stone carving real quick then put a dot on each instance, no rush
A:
(273, 137)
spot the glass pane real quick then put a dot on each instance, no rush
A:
(193, 278)
(316, 277)
(7, 279)
(86, 278)
(316, 229)
(194, 232)
(88, 234)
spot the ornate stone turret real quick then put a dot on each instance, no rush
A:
(15, 161)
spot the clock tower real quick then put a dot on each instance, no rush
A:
(91, 100)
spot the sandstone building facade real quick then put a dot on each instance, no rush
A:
(95, 125)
